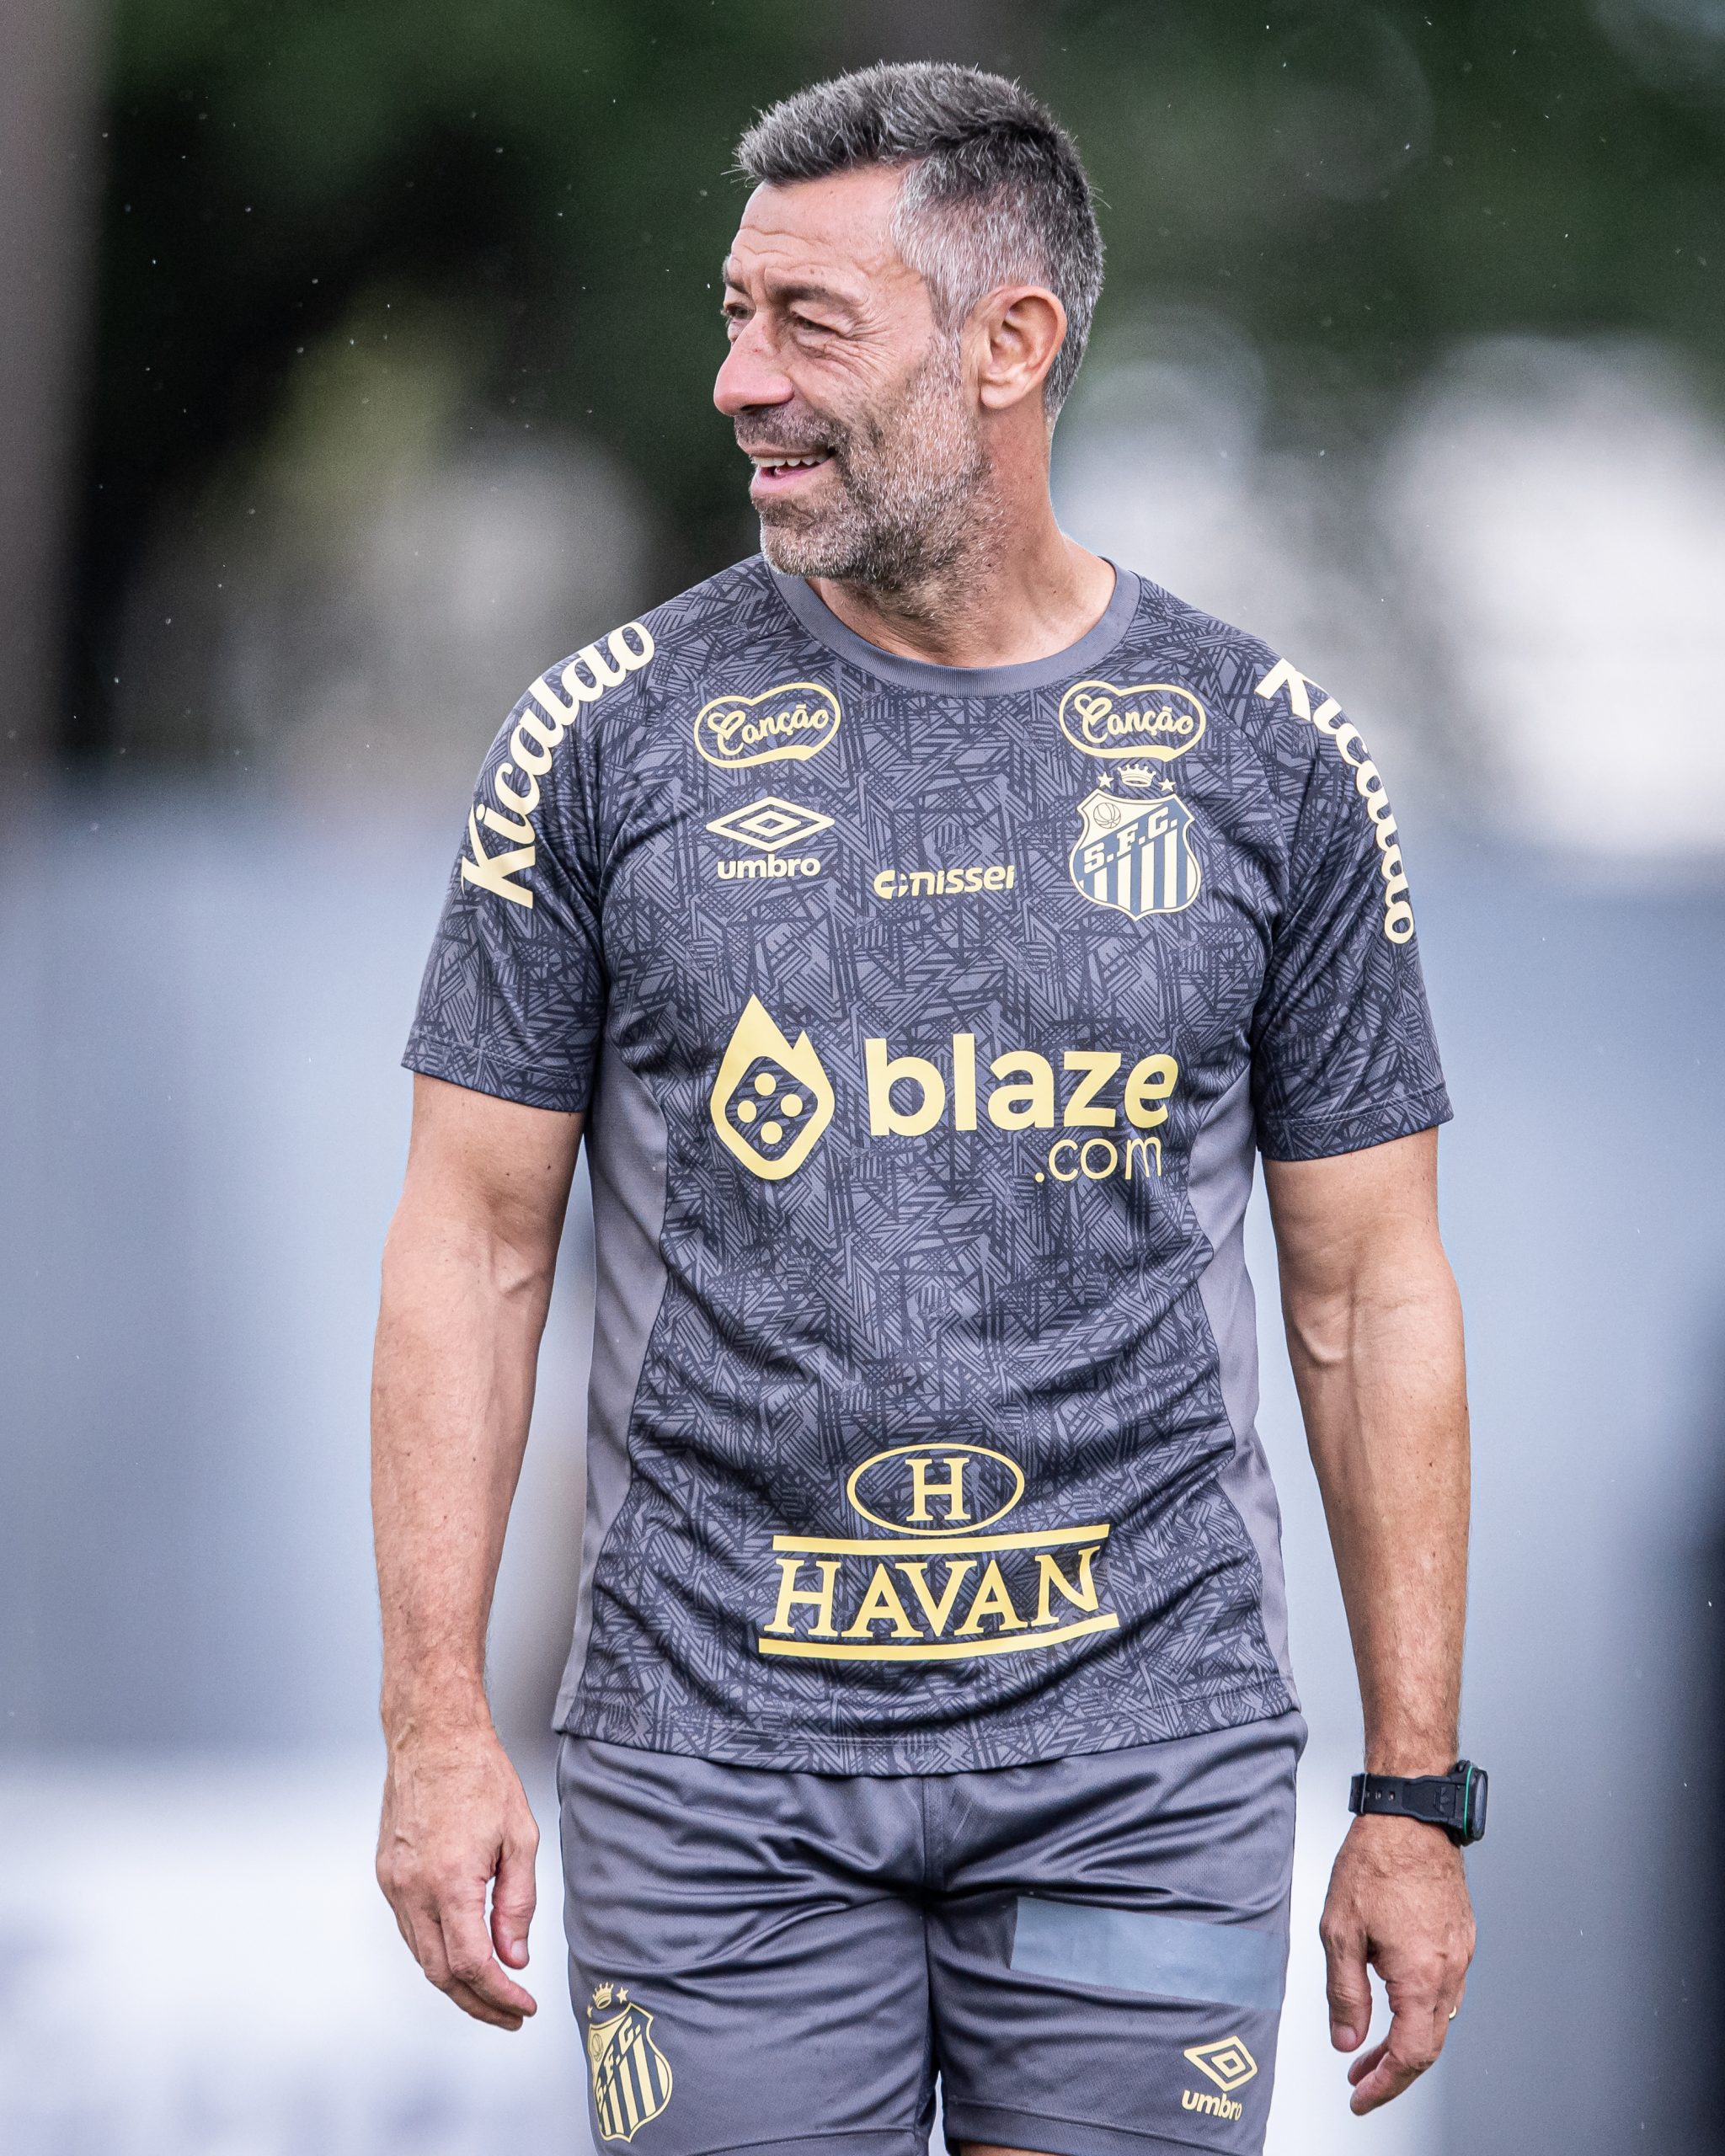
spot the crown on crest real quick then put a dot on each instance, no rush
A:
(601, 1999)
(1138, 774)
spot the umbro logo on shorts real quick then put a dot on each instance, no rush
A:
(1230, 2066)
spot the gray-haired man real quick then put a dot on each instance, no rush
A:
(927, 923)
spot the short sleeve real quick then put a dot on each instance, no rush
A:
(1344, 1054)
(514, 997)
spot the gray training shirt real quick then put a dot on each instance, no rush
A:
(926, 1021)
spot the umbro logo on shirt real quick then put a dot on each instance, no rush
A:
(769, 825)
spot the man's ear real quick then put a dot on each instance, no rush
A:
(1016, 333)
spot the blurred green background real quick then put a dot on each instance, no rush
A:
(507, 215)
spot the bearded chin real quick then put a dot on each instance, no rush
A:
(910, 497)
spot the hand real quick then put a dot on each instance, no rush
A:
(456, 1817)
(1398, 1900)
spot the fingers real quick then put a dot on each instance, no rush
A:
(1415, 2038)
(513, 1898)
(446, 1934)
(455, 1818)
(1346, 1983)
(473, 1976)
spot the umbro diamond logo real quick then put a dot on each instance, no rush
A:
(1226, 2062)
(770, 823)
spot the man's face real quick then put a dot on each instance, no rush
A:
(844, 390)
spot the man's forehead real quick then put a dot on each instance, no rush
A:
(834, 232)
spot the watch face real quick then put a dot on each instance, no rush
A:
(1478, 1787)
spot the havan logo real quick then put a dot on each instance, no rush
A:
(941, 1582)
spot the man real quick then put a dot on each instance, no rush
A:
(924, 924)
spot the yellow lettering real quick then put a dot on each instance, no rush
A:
(536, 761)
(1099, 1175)
(524, 805)
(952, 1489)
(819, 1599)
(1099, 1067)
(884, 1072)
(965, 1081)
(1282, 676)
(881, 1603)
(507, 827)
(1149, 1084)
(916, 1570)
(1028, 1107)
(883, 884)
(1049, 1576)
(1062, 1145)
(992, 1600)
(492, 871)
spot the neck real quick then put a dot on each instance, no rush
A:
(1018, 590)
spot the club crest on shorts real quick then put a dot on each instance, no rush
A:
(632, 2077)
(1136, 855)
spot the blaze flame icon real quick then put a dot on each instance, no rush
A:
(772, 1098)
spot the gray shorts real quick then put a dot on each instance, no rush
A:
(1088, 1953)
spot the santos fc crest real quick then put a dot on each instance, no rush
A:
(631, 2075)
(1137, 855)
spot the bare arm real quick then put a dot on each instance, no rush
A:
(1374, 1336)
(466, 1280)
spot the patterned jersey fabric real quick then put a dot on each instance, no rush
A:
(926, 1021)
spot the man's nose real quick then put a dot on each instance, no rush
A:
(752, 376)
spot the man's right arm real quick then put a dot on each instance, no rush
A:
(466, 1281)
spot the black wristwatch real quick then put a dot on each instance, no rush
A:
(1455, 1802)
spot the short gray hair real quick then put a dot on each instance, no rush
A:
(994, 192)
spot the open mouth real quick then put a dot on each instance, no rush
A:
(776, 471)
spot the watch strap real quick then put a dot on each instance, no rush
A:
(1454, 1801)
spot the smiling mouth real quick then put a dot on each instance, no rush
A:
(775, 468)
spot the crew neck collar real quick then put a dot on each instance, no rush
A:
(817, 618)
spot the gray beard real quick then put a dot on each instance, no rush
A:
(913, 495)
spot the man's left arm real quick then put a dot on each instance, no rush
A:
(1374, 1336)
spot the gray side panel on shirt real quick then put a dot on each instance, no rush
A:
(624, 1139)
(1220, 1187)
